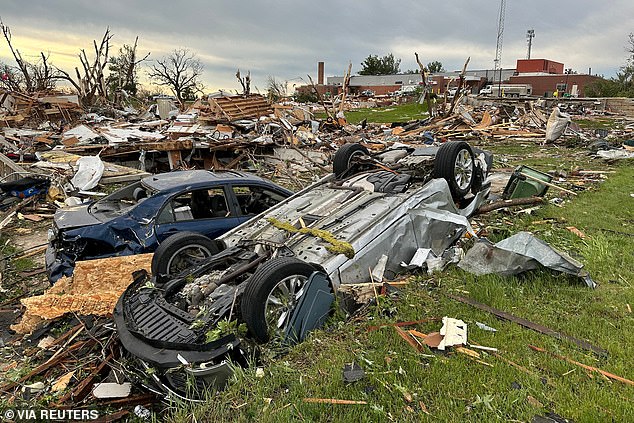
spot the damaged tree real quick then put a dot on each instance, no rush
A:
(90, 82)
(423, 75)
(122, 80)
(460, 86)
(180, 71)
(26, 77)
(245, 82)
(276, 90)
(91, 87)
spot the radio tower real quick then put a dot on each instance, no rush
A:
(498, 49)
(530, 34)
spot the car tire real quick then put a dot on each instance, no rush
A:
(455, 162)
(341, 161)
(187, 247)
(261, 308)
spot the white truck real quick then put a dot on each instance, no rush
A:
(404, 90)
(507, 90)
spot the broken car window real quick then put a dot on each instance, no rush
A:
(254, 200)
(199, 204)
(122, 200)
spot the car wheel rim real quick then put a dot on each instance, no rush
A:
(463, 169)
(186, 257)
(281, 302)
(352, 156)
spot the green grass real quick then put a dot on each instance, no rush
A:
(596, 123)
(401, 113)
(453, 387)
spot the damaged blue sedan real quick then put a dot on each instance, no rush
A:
(193, 205)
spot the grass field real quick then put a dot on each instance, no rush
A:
(401, 113)
(402, 384)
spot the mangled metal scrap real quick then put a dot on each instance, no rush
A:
(517, 254)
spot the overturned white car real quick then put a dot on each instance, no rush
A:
(278, 272)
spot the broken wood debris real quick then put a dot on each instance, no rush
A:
(509, 203)
(530, 325)
(84, 292)
(239, 107)
(584, 366)
(239, 132)
(333, 401)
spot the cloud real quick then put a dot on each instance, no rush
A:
(286, 39)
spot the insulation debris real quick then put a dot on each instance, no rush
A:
(94, 288)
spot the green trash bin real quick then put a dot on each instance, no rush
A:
(525, 182)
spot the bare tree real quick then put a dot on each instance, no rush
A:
(10, 78)
(91, 86)
(180, 71)
(245, 82)
(26, 76)
(276, 89)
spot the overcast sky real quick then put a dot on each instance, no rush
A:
(285, 39)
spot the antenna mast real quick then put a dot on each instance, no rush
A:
(530, 34)
(498, 49)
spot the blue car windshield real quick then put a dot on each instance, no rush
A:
(121, 201)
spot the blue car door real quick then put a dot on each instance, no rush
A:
(208, 211)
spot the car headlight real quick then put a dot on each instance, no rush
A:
(52, 234)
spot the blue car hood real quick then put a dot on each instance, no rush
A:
(74, 217)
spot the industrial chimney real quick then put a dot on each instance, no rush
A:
(320, 73)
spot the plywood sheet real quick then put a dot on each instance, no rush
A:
(94, 288)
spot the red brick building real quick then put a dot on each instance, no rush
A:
(538, 66)
(545, 76)
(548, 77)
(546, 85)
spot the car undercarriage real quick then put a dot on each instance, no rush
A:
(278, 274)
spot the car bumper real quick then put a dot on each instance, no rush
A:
(164, 366)
(57, 264)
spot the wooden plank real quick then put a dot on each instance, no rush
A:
(8, 166)
(584, 366)
(47, 365)
(333, 401)
(69, 142)
(167, 145)
(85, 386)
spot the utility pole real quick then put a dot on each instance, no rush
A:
(498, 49)
(530, 34)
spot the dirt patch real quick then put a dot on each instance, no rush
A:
(27, 238)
